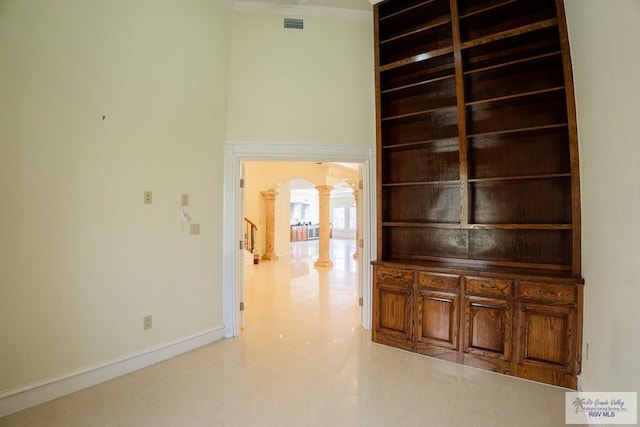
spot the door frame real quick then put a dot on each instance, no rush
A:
(237, 152)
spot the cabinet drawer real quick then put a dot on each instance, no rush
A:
(489, 287)
(439, 281)
(550, 293)
(397, 276)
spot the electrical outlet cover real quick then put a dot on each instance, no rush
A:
(147, 322)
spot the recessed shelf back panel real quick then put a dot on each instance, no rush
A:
(511, 15)
(421, 243)
(521, 246)
(417, 72)
(429, 126)
(518, 78)
(518, 113)
(441, 93)
(537, 152)
(522, 47)
(432, 203)
(547, 201)
(433, 162)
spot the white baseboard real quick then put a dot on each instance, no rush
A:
(20, 398)
(583, 386)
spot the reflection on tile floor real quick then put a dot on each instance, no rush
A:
(304, 360)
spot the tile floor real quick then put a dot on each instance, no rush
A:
(303, 360)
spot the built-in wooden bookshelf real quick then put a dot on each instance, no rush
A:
(478, 185)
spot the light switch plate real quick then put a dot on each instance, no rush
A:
(195, 229)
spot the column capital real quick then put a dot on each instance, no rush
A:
(324, 189)
(269, 194)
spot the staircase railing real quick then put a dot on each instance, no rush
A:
(250, 234)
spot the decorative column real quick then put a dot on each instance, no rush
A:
(356, 194)
(270, 207)
(324, 192)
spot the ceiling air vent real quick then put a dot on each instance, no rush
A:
(294, 24)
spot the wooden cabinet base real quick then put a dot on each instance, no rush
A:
(523, 323)
(547, 376)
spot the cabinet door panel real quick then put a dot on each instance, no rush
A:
(437, 318)
(394, 309)
(547, 336)
(488, 325)
(393, 315)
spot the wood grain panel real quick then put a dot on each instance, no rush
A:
(438, 281)
(547, 336)
(433, 162)
(489, 287)
(541, 152)
(488, 327)
(431, 204)
(549, 293)
(548, 201)
(512, 15)
(417, 72)
(437, 318)
(394, 309)
(393, 315)
(519, 47)
(527, 246)
(397, 276)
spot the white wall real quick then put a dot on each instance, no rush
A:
(604, 39)
(342, 201)
(311, 198)
(82, 259)
(310, 86)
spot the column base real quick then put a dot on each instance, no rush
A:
(269, 257)
(319, 263)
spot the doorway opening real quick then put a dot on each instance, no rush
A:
(236, 155)
(285, 201)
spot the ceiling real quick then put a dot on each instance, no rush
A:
(342, 4)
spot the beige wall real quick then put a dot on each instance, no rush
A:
(604, 39)
(82, 259)
(310, 86)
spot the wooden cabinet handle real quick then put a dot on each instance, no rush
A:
(488, 286)
(524, 309)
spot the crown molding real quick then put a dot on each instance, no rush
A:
(296, 10)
